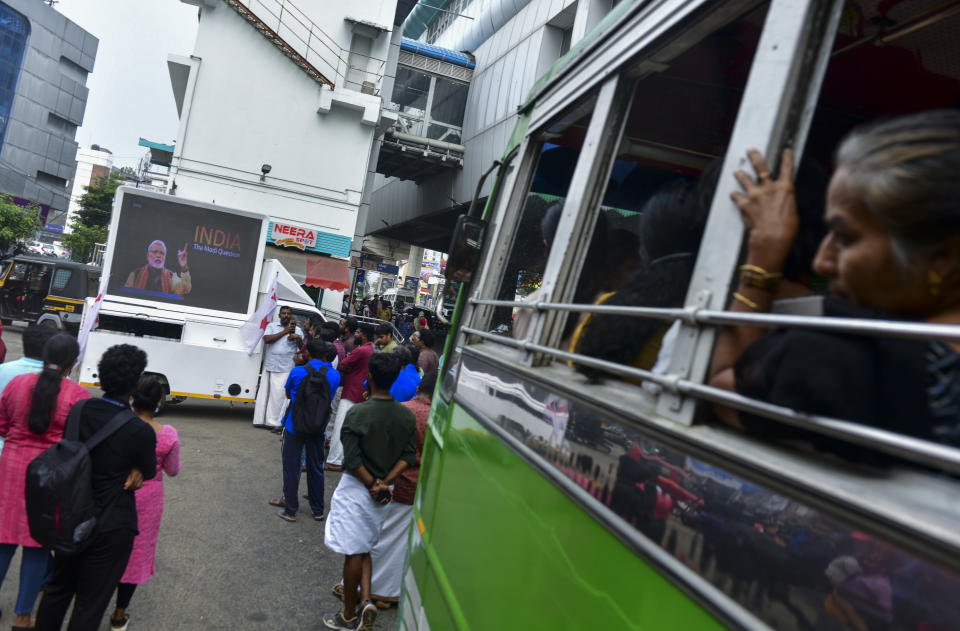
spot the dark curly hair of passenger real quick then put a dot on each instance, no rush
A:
(672, 223)
(148, 394)
(120, 369)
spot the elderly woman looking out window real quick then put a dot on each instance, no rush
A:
(892, 251)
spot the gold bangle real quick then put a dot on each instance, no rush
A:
(741, 298)
(758, 270)
(759, 278)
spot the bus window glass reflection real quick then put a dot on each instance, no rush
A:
(557, 150)
(657, 199)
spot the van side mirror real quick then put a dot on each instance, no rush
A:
(464, 251)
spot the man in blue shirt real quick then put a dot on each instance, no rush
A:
(34, 338)
(405, 387)
(318, 354)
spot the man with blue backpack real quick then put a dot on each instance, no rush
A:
(310, 388)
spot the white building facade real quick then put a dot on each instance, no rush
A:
(278, 114)
(513, 43)
(92, 163)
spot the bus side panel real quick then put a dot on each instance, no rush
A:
(492, 509)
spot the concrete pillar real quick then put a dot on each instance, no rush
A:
(414, 259)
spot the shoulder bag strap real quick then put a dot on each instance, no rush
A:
(72, 427)
(119, 420)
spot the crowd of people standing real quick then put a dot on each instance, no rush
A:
(370, 395)
(369, 415)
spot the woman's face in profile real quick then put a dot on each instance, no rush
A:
(857, 256)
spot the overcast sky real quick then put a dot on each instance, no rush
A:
(130, 94)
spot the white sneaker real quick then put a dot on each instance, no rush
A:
(367, 616)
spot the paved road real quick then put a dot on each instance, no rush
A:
(224, 559)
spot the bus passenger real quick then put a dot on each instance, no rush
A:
(892, 251)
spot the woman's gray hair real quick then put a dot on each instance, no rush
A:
(906, 171)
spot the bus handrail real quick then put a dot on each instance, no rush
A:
(697, 315)
(906, 447)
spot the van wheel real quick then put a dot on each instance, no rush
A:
(173, 400)
(50, 324)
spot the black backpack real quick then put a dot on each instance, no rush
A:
(311, 407)
(61, 510)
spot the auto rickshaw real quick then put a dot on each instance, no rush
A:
(46, 291)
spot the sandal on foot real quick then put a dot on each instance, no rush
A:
(279, 503)
(119, 625)
(285, 516)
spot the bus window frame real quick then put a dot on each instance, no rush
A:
(781, 67)
(510, 209)
(789, 61)
(580, 209)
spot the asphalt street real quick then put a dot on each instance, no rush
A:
(224, 558)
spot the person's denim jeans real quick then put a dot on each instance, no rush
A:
(34, 568)
(293, 446)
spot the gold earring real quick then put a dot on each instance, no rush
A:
(934, 281)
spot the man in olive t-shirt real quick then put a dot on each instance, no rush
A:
(379, 440)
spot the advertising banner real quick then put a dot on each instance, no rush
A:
(293, 236)
(182, 254)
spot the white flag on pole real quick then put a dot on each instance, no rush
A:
(252, 330)
(91, 319)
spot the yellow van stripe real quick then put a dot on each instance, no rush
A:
(188, 394)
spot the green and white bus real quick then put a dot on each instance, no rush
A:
(554, 499)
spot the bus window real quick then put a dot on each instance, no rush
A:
(648, 229)
(888, 61)
(557, 150)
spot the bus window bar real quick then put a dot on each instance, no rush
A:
(906, 447)
(697, 315)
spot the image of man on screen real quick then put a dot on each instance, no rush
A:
(155, 277)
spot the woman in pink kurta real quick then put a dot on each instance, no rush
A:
(140, 567)
(21, 416)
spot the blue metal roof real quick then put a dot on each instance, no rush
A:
(435, 52)
(149, 144)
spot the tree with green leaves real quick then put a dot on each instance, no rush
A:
(97, 203)
(91, 221)
(83, 239)
(17, 222)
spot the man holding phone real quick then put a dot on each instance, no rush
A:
(281, 342)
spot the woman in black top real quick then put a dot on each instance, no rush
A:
(120, 464)
(892, 251)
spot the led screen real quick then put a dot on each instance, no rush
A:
(172, 252)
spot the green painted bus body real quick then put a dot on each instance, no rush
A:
(503, 548)
(496, 545)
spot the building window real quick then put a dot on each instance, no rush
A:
(445, 18)
(14, 31)
(429, 106)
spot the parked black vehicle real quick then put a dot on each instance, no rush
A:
(46, 290)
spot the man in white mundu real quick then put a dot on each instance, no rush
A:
(281, 342)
